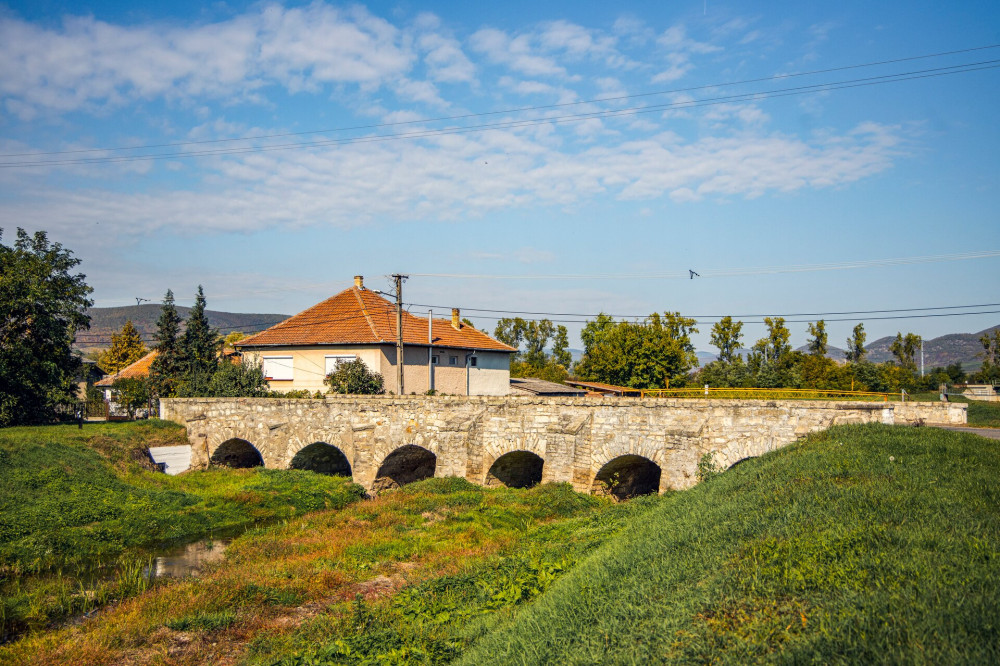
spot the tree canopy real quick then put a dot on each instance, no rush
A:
(531, 338)
(127, 347)
(42, 306)
(354, 377)
(654, 353)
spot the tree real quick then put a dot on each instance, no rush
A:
(233, 338)
(127, 347)
(560, 348)
(354, 377)
(534, 336)
(905, 348)
(230, 380)
(856, 345)
(131, 393)
(199, 345)
(167, 369)
(817, 344)
(775, 347)
(727, 336)
(654, 353)
(42, 306)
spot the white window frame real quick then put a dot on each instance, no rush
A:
(474, 361)
(452, 360)
(332, 361)
(278, 368)
(435, 360)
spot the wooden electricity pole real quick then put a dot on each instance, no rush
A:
(399, 330)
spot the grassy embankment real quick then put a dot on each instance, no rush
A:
(865, 544)
(70, 499)
(861, 544)
(399, 579)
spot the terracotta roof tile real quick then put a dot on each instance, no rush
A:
(359, 316)
(139, 369)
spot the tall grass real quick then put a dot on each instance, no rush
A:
(864, 544)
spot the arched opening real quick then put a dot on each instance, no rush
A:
(236, 453)
(742, 460)
(517, 469)
(405, 465)
(626, 477)
(322, 458)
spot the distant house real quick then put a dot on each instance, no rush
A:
(138, 370)
(597, 388)
(441, 354)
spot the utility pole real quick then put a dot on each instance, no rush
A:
(399, 330)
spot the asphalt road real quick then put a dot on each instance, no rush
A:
(992, 433)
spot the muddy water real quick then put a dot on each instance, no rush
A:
(189, 559)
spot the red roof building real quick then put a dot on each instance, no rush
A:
(440, 354)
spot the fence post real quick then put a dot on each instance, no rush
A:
(706, 389)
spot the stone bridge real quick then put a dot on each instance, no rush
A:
(621, 445)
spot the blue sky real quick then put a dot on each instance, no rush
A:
(675, 165)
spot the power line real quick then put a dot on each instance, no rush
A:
(516, 124)
(707, 273)
(522, 109)
(765, 314)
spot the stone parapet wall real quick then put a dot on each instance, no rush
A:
(575, 437)
(930, 413)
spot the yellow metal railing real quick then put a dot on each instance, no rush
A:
(769, 394)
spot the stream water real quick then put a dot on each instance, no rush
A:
(173, 560)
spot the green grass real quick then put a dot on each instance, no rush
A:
(73, 499)
(865, 544)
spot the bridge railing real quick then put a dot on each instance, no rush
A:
(768, 394)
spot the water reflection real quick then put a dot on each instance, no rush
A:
(189, 559)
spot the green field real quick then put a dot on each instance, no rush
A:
(861, 544)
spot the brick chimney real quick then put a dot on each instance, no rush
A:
(359, 281)
(456, 321)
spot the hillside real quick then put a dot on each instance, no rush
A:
(961, 348)
(105, 321)
(864, 544)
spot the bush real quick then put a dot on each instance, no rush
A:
(354, 377)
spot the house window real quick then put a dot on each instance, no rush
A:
(452, 360)
(334, 360)
(277, 368)
(473, 361)
(435, 360)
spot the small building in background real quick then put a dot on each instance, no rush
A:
(541, 387)
(443, 355)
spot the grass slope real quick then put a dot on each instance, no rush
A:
(70, 498)
(862, 544)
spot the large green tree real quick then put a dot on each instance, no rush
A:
(127, 347)
(856, 345)
(727, 336)
(531, 338)
(168, 366)
(818, 342)
(905, 348)
(200, 344)
(654, 353)
(42, 306)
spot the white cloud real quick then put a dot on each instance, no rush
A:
(453, 178)
(88, 63)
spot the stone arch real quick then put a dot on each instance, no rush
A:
(406, 464)
(516, 469)
(322, 458)
(626, 477)
(236, 452)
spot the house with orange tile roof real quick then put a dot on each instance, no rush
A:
(137, 370)
(440, 354)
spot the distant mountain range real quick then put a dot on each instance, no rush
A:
(105, 321)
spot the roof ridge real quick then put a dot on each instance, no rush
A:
(364, 311)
